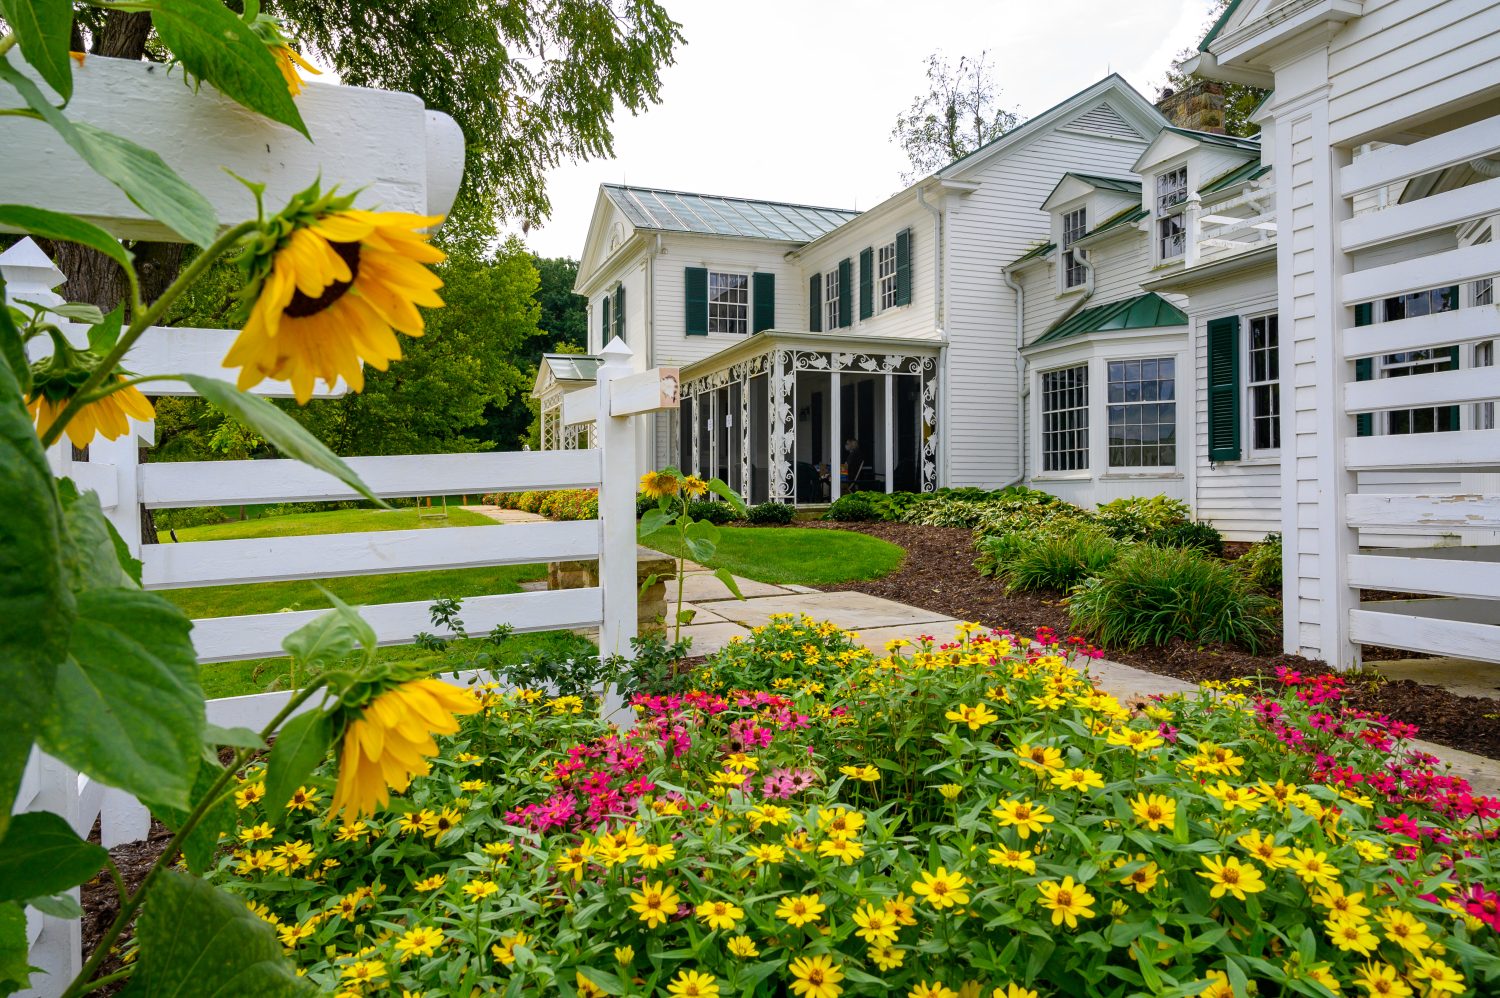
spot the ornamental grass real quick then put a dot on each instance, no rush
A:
(957, 819)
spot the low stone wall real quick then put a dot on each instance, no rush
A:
(653, 599)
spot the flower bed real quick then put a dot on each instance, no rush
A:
(950, 819)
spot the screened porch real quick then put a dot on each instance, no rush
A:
(794, 423)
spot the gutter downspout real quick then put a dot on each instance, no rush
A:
(939, 293)
(1022, 389)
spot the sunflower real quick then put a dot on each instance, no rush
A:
(328, 293)
(386, 746)
(659, 483)
(106, 417)
(288, 61)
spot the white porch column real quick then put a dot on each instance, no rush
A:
(890, 432)
(836, 435)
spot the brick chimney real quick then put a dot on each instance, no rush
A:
(1199, 105)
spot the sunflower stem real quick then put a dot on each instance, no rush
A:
(7, 43)
(130, 904)
(141, 320)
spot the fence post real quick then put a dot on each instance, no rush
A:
(617, 542)
(57, 948)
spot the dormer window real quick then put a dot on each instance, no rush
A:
(1074, 225)
(1171, 227)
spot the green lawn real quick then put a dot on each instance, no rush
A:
(337, 521)
(794, 555)
(232, 679)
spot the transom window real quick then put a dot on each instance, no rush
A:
(1264, 384)
(728, 303)
(1142, 412)
(1065, 419)
(1171, 228)
(886, 273)
(831, 299)
(1074, 225)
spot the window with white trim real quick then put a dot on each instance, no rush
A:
(1484, 412)
(1142, 413)
(728, 302)
(831, 299)
(886, 275)
(1431, 360)
(1263, 383)
(1074, 225)
(1171, 226)
(1065, 419)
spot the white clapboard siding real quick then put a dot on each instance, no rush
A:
(1440, 329)
(228, 639)
(1429, 214)
(1443, 512)
(1448, 571)
(1394, 164)
(267, 559)
(1464, 628)
(1470, 450)
(228, 483)
(1455, 266)
(1472, 384)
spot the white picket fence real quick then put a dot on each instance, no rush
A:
(125, 486)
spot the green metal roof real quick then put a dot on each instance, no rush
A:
(1218, 25)
(1147, 311)
(1121, 184)
(709, 214)
(1032, 254)
(1130, 215)
(573, 366)
(1217, 138)
(1252, 170)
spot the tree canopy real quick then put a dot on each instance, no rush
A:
(959, 113)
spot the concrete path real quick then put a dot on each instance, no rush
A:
(505, 515)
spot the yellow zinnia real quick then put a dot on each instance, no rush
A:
(816, 976)
(329, 294)
(107, 417)
(390, 742)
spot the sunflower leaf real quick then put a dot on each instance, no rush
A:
(279, 430)
(57, 226)
(43, 855)
(300, 746)
(214, 44)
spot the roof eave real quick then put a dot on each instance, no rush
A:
(1179, 281)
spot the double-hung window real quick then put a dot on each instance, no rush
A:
(1143, 413)
(1263, 386)
(886, 275)
(1074, 225)
(728, 303)
(831, 299)
(1065, 419)
(1430, 360)
(1171, 226)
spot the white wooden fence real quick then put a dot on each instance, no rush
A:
(125, 487)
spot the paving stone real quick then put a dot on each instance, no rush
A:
(700, 587)
(1460, 676)
(876, 637)
(505, 515)
(710, 637)
(851, 611)
(801, 589)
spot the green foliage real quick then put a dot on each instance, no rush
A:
(855, 507)
(771, 513)
(1152, 596)
(759, 661)
(1261, 565)
(960, 112)
(42, 855)
(44, 29)
(1197, 535)
(717, 513)
(1056, 560)
(1139, 517)
(531, 83)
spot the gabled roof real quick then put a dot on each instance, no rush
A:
(1090, 181)
(1127, 217)
(1035, 253)
(1173, 141)
(1121, 184)
(1217, 138)
(1218, 25)
(713, 215)
(1242, 174)
(1147, 311)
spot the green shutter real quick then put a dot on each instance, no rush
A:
(1224, 389)
(866, 283)
(695, 300)
(1364, 370)
(604, 330)
(815, 303)
(620, 311)
(903, 267)
(763, 302)
(846, 293)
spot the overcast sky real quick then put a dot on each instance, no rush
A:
(794, 100)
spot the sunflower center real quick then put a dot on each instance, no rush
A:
(301, 306)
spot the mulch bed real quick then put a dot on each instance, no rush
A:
(939, 575)
(101, 902)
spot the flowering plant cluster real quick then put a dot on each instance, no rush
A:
(966, 818)
(556, 504)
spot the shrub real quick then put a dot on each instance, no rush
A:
(1261, 565)
(527, 502)
(717, 513)
(998, 551)
(856, 507)
(1057, 560)
(1150, 595)
(643, 502)
(1138, 517)
(771, 513)
(1197, 535)
(191, 516)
